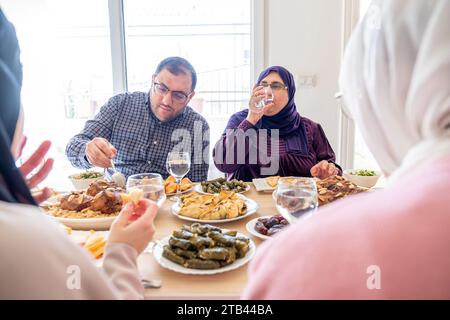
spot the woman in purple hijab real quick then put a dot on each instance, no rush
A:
(275, 140)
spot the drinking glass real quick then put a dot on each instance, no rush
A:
(268, 98)
(269, 95)
(152, 185)
(296, 198)
(178, 165)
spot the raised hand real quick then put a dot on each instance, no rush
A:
(37, 161)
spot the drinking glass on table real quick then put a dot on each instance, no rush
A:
(296, 198)
(151, 184)
(178, 165)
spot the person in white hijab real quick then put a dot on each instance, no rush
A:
(395, 81)
(37, 259)
(393, 243)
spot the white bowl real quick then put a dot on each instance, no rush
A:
(362, 181)
(81, 184)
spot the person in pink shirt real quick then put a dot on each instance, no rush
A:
(38, 260)
(392, 243)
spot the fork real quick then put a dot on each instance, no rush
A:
(152, 245)
(151, 284)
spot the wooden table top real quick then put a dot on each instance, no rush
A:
(227, 285)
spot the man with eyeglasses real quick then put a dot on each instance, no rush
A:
(137, 130)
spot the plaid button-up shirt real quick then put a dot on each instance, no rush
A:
(141, 140)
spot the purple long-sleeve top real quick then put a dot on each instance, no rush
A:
(289, 163)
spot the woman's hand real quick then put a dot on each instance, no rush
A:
(134, 225)
(44, 167)
(324, 169)
(254, 115)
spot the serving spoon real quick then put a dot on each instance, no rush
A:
(117, 176)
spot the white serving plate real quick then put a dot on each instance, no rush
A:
(166, 263)
(198, 189)
(252, 207)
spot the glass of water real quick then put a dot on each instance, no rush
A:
(296, 198)
(151, 184)
(178, 165)
(268, 98)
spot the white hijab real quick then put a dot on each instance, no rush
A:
(395, 79)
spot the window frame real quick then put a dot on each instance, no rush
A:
(118, 43)
(346, 149)
(118, 46)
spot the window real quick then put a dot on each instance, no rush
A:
(353, 151)
(213, 36)
(65, 52)
(363, 158)
(68, 61)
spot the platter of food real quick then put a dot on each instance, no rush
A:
(266, 184)
(170, 186)
(221, 184)
(267, 226)
(362, 178)
(93, 208)
(214, 208)
(202, 249)
(92, 241)
(82, 180)
(336, 187)
(328, 190)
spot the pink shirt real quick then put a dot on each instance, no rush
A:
(396, 239)
(39, 261)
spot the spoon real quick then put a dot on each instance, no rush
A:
(118, 177)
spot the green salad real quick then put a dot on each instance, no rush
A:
(365, 173)
(89, 175)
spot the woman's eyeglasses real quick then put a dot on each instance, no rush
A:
(178, 96)
(275, 86)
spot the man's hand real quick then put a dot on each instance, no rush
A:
(99, 152)
(324, 169)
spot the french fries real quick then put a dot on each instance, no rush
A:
(67, 229)
(95, 245)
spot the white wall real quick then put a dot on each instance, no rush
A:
(305, 37)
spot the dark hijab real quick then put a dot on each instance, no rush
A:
(288, 120)
(12, 185)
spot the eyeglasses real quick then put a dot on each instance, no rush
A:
(276, 86)
(178, 96)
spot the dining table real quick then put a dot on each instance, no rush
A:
(222, 285)
(175, 285)
(226, 285)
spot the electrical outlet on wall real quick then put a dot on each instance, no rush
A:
(306, 80)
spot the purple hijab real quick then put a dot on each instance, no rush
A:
(288, 120)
